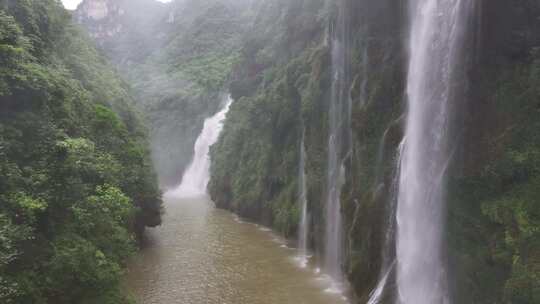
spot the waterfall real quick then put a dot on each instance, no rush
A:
(436, 39)
(376, 295)
(196, 177)
(365, 75)
(303, 229)
(388, 264)
(339, 135)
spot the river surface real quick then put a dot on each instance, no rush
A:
(203, 255)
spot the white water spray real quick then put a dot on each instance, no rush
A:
(196, 177)
(338, 150)
(436, 38)
(303, 229)
(376, 295)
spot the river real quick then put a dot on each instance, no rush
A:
(203, 255)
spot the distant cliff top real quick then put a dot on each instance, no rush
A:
(124, 29)
(97, 10)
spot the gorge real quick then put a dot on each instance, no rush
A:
(308, 151)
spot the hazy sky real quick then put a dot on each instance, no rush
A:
(72, 4)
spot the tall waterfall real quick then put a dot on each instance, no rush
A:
(196, 177)
(436, 40)
(339, 135)
(303, 229)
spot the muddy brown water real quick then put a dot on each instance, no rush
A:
(203, 255)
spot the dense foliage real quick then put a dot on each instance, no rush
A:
(183, 81)
(76, 185)
(256, 161)
(495, 206)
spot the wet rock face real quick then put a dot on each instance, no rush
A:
(101, 17)
(95, 10)
(107, 21)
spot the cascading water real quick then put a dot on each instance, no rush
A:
(365, 75)
(196, 177)
(388, 264)
(339, 134)
(303, 229)
(436, 40)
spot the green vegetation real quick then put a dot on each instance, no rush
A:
(76, 185)
(255, 163)
(183, 82)
(496, 201)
